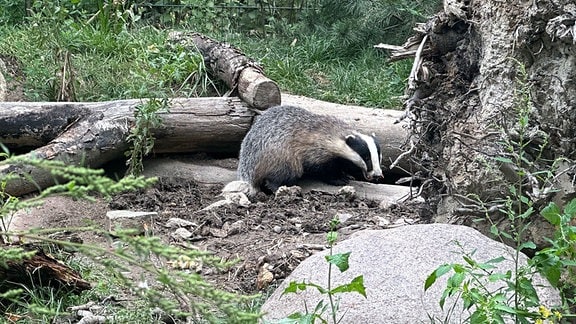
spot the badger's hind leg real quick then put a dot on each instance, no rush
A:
(284, 176)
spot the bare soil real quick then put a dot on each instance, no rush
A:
(279, 231)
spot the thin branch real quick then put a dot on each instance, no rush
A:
(401, 156)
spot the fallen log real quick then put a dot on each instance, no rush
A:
(230, 65)
(92, 134)
(40, 270)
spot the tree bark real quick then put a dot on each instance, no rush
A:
(230, 65)
(92, 134)
(493, 105)
(40, 270)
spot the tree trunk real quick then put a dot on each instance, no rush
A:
(92, 134)
(493, 105)
(230, 65)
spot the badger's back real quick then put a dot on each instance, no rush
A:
(283, 140)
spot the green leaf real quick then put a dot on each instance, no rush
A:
(527, 213)
(339, 260)
(496, 260)
(497, 277)
(331, 237)
(506, 235)
(527, 245)
(553, 275)
(440, 271)
(570, 208)
(356, 285)
(320, 307)
(298, 318)
(503, 159)
(458, 268)
(443, 298)
(494, 230)
(568, 263)
(294, 287)
(456, 280)
(552, 214)
(469, 260)
(504, 308)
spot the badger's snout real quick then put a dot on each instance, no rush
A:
(374, 175)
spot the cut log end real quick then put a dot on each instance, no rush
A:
(257, 90)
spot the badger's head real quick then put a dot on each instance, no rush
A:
(368, 148)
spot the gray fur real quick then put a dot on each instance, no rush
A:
(285, 140)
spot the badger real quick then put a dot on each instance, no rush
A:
(287, 143)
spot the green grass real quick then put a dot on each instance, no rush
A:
(129, 64)
(313, 67)
(138, 62)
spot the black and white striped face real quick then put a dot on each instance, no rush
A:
(369, 150)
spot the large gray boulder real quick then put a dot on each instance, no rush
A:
(395, 264)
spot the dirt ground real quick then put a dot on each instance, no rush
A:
(278, 231)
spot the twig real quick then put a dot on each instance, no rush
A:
(422, 187)
(401, 156)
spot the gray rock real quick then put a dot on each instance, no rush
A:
(127, 219)
(181, 234)
(373, 191)
(395, 264)
(176, 222)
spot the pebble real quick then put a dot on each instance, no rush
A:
(181, 234)
(179, 222)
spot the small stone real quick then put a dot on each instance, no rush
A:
(264, 277)
(218, 232)
(175, 222)
(84, 313)
(343, 217)
(233, 228)
(403, 222)
(382, 222)
(93, 319)
(297, 254)
(230, 198)
(181, 234)
(288, 192)
(277, 229)
(126, 219)
(348, 192)
(385, 204)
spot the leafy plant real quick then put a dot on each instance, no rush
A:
(516, 297)
(141, 138)
(558, 261)
(339, 261)
(471, 282)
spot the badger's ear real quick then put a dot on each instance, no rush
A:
(374, 135)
